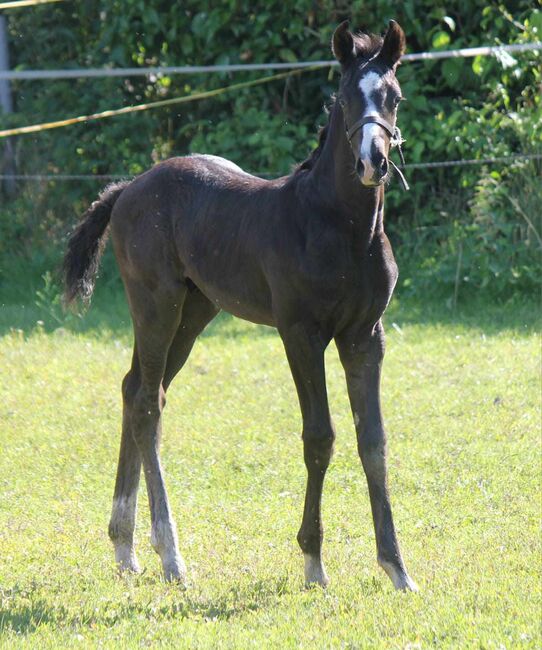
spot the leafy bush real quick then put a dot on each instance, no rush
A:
(456, 109)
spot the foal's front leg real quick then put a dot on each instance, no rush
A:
(305, 351)
(361, 354)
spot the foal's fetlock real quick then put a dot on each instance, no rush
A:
(173, 565)
(164, 542)
(125, 555)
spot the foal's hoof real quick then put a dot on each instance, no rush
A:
(400, 578)
(315, 573)
(129, 568)
(126, 560)
(409, 585)
(175, 571)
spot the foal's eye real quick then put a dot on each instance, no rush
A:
(397, 100)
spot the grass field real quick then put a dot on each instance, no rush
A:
(461, 398)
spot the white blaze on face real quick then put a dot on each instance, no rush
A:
(370, 133)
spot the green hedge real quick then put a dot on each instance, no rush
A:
(460, 230)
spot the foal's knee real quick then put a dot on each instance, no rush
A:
(372, 451)
(146, 409)
(318, 442)
(148, 401)
(130, 386)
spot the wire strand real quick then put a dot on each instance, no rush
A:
(80, 73)
(427, 165)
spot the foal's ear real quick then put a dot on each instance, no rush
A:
(394, 44)
(342, 44)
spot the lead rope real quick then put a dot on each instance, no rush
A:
(397, 141)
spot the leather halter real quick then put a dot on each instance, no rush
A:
(392, 132)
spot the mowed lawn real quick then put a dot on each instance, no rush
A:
(462, 407)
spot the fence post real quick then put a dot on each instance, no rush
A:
(6, 105)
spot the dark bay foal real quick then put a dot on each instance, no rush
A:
(305, 253)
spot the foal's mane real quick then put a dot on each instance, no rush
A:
(367, 46)
(310, 161)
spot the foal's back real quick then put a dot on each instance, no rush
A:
(204, 219)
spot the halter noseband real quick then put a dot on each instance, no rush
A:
(372, 118)
(393, 132)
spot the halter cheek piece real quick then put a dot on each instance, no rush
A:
(392, 132)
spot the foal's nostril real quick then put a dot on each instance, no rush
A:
(384, 166)
(359, 168)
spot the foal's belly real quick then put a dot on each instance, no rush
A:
(256, 311)
(241, 292)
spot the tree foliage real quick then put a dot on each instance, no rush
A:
(471, 226)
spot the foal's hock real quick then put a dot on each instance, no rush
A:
(305, 253)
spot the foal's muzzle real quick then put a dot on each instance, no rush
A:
(379, 168)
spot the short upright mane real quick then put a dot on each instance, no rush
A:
(367, 46)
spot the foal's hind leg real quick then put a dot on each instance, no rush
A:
(197, 312)
(156, 315)
(122, 523)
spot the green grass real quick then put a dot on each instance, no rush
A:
(461, 396)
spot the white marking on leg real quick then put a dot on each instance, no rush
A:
(165, 543)
(315, 572)
(124, 508)
(126, 559)
(123, 521)
(401, 580)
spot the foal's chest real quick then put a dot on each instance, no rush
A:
(356, 285)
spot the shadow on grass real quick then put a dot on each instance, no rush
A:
(28, 616)
(108, 315)
(518, 314)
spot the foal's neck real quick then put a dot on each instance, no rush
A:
(334, 175)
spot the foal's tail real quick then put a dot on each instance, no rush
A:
(86, 245)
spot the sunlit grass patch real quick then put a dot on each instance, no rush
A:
(462, 406)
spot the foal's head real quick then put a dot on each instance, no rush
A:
(369, 94)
